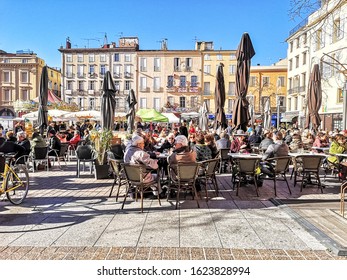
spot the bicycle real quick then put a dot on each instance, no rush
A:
(15, 179)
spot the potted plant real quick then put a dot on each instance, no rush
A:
(101, 140)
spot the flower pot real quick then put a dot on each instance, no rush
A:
(101, 171)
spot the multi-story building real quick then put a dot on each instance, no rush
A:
(319, 39)
(268, 82)
(20, 75)
(211, 60)
(83, 71)
(169, 79)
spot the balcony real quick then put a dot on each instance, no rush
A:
(90, 92)
(117, 75)
(144, 89)
(158, 89)
(81, 75)
(128, 75)
(92, 75)
(297, 90)
(69, 75)
(207, 93)
(68, 92)
(183, 90)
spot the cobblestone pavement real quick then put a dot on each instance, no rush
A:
(67, 218)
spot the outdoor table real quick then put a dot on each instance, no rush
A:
(244, 155)
(321, 149)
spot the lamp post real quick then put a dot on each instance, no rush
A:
(278, 102)
(344, 109)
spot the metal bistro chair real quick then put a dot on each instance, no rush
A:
(135, 175)
(61, 155)
(210, 168)
(118, 175)
(245, 171)
(85, 154)
(224, 159)
(182, 179)
(281, 167)
(310, 168)
(40, 154)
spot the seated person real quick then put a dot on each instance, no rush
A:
(240, 143)
(25, 143)
(8, 147)
(168, 144)
(76, 138)
(278, 149)
(224, 141)
(203, 152)
(54, 143)
(338, 147)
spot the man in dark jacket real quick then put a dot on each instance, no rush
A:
(7, 147)
(183, 129)
(54, 144)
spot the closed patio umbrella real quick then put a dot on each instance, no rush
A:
(314, 98)
(244, 53)
(203, 117)
(219, 97)
(42, 118)
(108, 102)
(131, 100)
(267, 114)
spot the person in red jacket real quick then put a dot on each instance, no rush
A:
(76, 138)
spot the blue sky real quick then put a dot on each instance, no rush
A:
(43, 25)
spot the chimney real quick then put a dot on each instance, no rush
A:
(68, 43)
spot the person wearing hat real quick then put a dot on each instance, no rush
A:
(240, 144)
(54, 143)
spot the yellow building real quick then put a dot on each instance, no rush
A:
(211, 60)
(268, 82)
(20, 74)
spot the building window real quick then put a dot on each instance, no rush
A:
(189, 64)
(156, 83)
(91, 57)
(230, 105)
(207, 57)
(116, 70)
(80, 58)
(127, 71)
(102, 57)
(219, 57)
(304, 38)
(91, 85)
(143, 64)
(91, 105)
(290, 65)
(231, 90)
(171, 100)
(7, 76)
(232, 56)
(297, 41)
(183, 81)
(116, 57)
(182, 102)
(80, 71)
(176, 64)
(102, 69)
(80, 85)
(266, 81)
(207, 69)
(303, 80)
(291, 46)
(304, 58)
(193, 101)
(143, 83)
(339, 96)
(127, 85)
(156, 64)
(156, 103)
(232, 69)
(7, 95)
(143, 103)
(127, 57)
(194, 81)
(69, 85)
(280, 81)
(117, 85)
(69, 100)
(297, 61)
(295, 103)
(289, 104)
(69, 58)
(24, 77)
(80, 102)
(319, 39)
(253, 81)
(170, 81)
(207, 90)
(337, 30)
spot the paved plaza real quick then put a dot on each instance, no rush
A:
(65, 217)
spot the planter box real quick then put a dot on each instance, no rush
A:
(101, 171)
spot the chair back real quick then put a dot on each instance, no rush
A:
(281, 163)
(40, 153)
(247, 165)
(117, 151)
(85, 152)
(134, 173)
(186, 172)
(116, 166)
(211, 166)
(224, 154)
(311, 162)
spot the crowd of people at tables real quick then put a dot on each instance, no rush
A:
(190, 144)
(185, 143)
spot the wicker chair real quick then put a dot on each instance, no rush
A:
(210, 168)
(245, 171)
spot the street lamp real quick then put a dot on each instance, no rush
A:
(278, 102)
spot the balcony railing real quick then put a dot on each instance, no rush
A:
(144, 89)
(297, 90)
(186, 90)
(81, 75)
(69, 75)
(128, 75)
(158, 89)
(117, 75)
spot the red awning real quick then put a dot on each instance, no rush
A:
(52, 98)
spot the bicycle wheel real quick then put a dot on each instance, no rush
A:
(17, 184)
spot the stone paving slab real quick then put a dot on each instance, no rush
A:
(65, 217)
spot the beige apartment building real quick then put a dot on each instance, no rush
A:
(211, 59)
(83, 71)
(20, 75)
(169, 80)
(268, 82)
